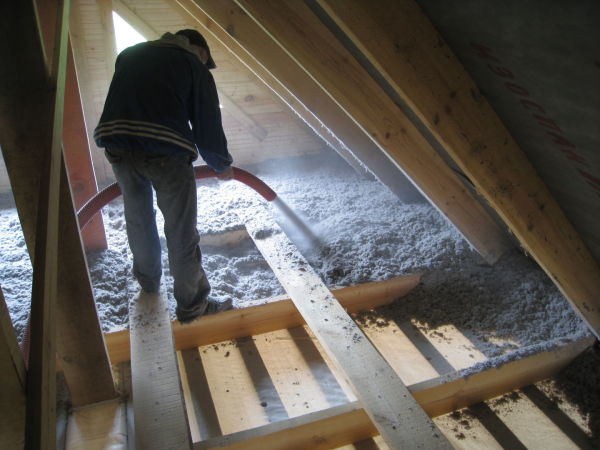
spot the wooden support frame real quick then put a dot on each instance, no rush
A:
(40, 425)
(26, 98)
(431, 80)
(348, 423)
(78, 159)
(90, 113)
(190, 11)
(237, 32)
(274, 315)
(383, 395)
(229, 106)
(294, 27)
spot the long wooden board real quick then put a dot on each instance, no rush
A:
(429, 77)
(40, 425)
(273, 315)
(160, 419)
(228, 24)
(324, 429)
(233, 380)
(399, 419)
(348, 423)
(24, 100)
(311, 45)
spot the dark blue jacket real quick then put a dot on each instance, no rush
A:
(163, 100)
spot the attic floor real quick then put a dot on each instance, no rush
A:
(365, 234)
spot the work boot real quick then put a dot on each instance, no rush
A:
(206, 308)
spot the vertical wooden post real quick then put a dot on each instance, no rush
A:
(27, 104)
(40, 426)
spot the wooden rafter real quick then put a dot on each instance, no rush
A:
(407, 51)
(193, 13)
(78, 158)
(229, 106)
(310, 45)
(241, 36)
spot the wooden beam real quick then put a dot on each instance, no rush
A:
(348, 423)
(251, 45)
(81, 349)
(12, 379)
(90, 111)
(383, 395)
(40, 425)
(75, 141)
(109, 41)
(78, 159)
(324, 429)
(229, 106)
(190, 11)
(431, 80)
(440, 396)
(25, 98)
(274, 315)
(160, 418)
(297, 30)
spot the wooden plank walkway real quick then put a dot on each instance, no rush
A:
(160, 419)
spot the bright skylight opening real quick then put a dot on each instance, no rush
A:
(125, 34)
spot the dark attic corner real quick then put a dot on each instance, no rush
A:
(406, 256)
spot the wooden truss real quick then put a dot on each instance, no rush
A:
(298, 372)
(393, 394)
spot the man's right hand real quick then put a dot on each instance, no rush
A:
(227, 174)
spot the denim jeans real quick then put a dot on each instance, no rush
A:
(172, 177)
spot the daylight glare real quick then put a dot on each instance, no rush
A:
(125, 34)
